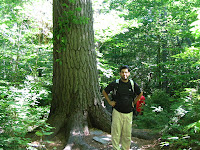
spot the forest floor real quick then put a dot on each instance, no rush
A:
(97, 139)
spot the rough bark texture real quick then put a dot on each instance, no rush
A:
(76, 102)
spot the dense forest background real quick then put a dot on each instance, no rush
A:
(159, 40)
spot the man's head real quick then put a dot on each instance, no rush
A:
(124, 72)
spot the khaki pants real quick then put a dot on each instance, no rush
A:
(121, 130)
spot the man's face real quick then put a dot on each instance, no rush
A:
(124, 74)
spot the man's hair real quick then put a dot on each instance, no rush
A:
(124, 67)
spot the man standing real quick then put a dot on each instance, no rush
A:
(122, 103)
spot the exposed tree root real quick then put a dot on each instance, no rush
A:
(77, 142)
(100, 118)
(76, 126)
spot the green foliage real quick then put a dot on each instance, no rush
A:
(194, 127)
(20, 112)
(178, 122)
(165, 43)
(45, 130)
(26, 71)
(183, 69)
(23, 45)
(161, 98)
(152, 120)
(11, 130)
(162, 31)
(183, 128)
(157, 111)
(158, 37)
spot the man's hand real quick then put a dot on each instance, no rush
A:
(112, 103)
(137, 98)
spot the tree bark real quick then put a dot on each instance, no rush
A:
(76, 103)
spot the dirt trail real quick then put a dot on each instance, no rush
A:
(99, 140)
(137, 144)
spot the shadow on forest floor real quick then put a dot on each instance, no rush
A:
(98, 139)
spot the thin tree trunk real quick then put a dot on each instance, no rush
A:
(158, 63)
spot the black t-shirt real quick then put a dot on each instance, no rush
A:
(124, 96)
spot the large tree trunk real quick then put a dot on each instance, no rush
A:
(76, 102)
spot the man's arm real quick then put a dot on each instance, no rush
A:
(137, 98)
(112, 103)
